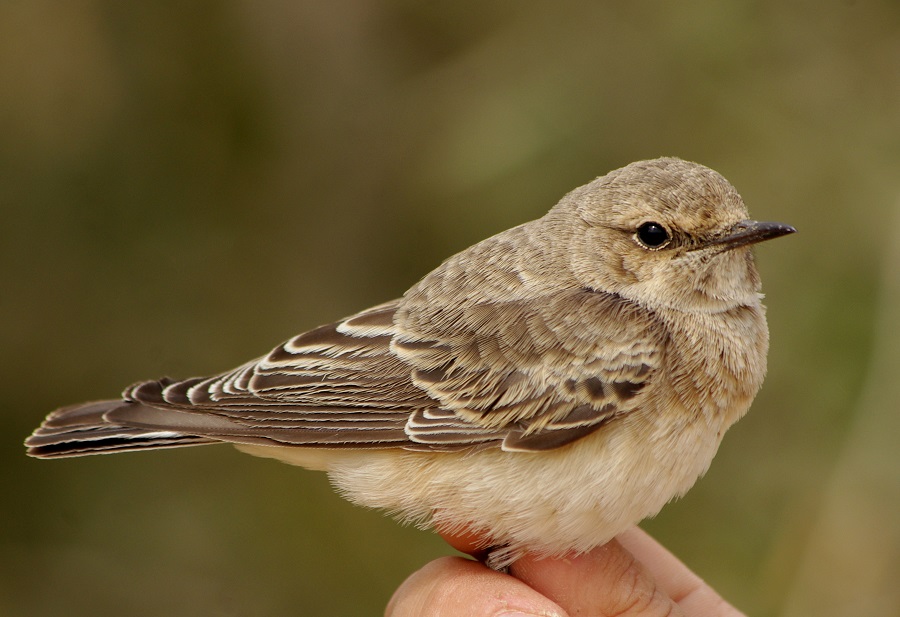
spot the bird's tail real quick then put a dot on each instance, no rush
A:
(82, 429)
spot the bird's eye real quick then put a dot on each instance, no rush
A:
(652, 235)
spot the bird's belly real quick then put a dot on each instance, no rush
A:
(570, 499)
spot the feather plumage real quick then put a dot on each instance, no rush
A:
(368, 381)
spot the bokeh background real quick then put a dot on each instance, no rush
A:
(183, 185)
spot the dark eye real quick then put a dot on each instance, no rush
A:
(652, 235)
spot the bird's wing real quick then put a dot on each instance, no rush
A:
(337, 385)
(538, 372)
(527, 375)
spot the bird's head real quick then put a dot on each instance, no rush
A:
(665, 233)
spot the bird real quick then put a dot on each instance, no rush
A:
(542, 390)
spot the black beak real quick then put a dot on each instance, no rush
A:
(749, 232)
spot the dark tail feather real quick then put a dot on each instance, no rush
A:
(82, 429)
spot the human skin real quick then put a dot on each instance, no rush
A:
(631, 576)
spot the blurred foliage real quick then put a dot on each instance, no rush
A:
(184, 185)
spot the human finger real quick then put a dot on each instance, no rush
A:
(605, 581)
(675, 579)
(457, 587)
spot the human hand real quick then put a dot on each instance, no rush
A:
(631, 576)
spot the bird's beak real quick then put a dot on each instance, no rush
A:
(749, 232)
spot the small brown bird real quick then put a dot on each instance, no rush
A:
(544, 389)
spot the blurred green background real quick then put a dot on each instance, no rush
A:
(185, 185)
